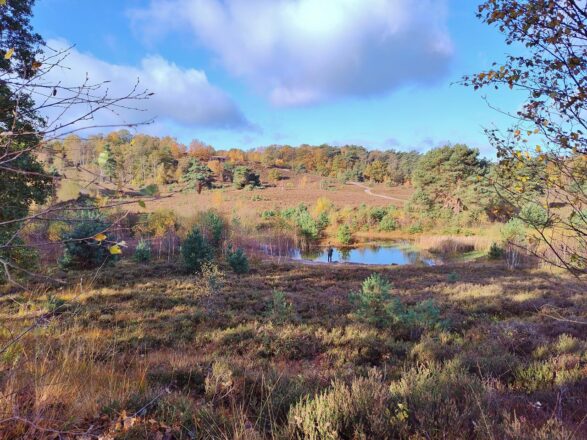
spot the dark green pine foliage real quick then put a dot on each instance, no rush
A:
(22, 178)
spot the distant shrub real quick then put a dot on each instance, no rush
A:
(307, 226)
(534, 215)
(274, 175)
(57, 230)
(83, 250)
(323, 205)
(244, 176)
(195, 250)
(270, 213)
(280, 310)
(415, 228)
(452, 277)
(388, 224)
(323, 221)
(237, 260)
(495, 252)
(211, 279)
(344, 235)
(213, 226)
(377, 213)
(149, 190)
(142, 252)
(514, 235)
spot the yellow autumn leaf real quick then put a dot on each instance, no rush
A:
(2, 2)
(538, 149)
(115, 250)
(9, 54)
(100, 237)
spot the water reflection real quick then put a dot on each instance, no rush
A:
(381, 254)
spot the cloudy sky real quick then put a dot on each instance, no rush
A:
(246, 73)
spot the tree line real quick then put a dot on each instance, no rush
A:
(142, 159)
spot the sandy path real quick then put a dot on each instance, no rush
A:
(371, 193)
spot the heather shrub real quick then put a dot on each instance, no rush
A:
(441, 401)
(363, 409)
(280, 309)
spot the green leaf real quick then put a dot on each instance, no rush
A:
(142, 204)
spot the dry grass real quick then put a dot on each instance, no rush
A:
(214, 365)
(290, 191)
(452, 245)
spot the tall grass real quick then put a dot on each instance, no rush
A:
(452, 245)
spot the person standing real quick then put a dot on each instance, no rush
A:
(330, 252)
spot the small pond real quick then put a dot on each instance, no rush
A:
(395, 253)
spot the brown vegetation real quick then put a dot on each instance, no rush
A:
(145, 351)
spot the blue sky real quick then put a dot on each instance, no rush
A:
(247, 73)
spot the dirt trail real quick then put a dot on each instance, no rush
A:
(371, 193)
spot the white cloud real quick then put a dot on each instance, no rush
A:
(181, 96)
(307, 51)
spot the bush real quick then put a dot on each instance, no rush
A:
(374, 301)
(280, 310)
(361, 410)
(213, 227)
(388, 224)
(211, 280)
(307, 227)
(237, 260)
(149, 190)
(452, 277)
(83, 250)
(442, 399)
(375, 305)
(495, 252)
(244, 176)
(535, 215)
(268, 214)
(56, 230)
(344, 235)
(195, 251)
(142, 252)
(274, 175)
(416, 228)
